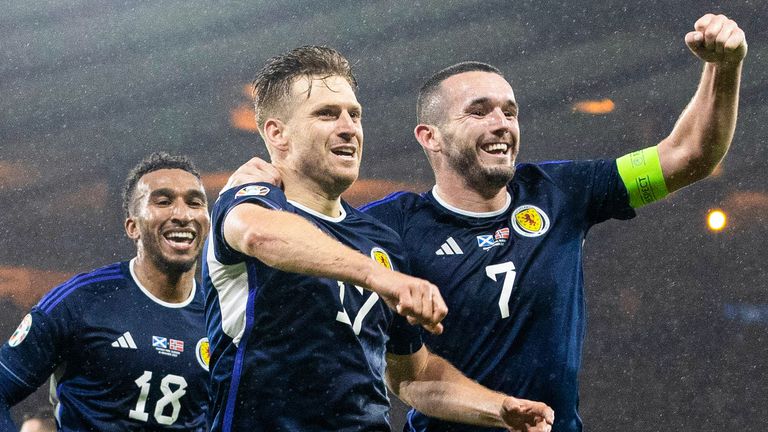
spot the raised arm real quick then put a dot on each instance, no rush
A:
(282, 240)
(433, 386)
(705, 129)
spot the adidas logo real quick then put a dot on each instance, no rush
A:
(450, 247)
(125, 341)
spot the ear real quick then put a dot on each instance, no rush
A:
(274, 135)
(131, 229)
(429, 137)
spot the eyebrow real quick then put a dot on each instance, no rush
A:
(486, 100)
(194, 193)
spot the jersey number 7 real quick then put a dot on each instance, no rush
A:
(508, 270)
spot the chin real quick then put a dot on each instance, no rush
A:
(177, 265)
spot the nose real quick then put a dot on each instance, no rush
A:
(182, 213)
(500, 123)
(346, 126)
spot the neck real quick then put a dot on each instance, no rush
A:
(301, 190)
(455, 190)
(168, 287)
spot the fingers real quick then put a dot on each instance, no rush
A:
(717, 39)
(421, 303)
(255, 170)
(527, 416)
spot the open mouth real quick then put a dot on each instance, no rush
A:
(497, 149)
(347, 152)
(180, 239)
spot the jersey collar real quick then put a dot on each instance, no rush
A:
(469, 213)
(157, 300)
(319, 215)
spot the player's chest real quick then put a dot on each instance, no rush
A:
(126, 343)
(515, 257)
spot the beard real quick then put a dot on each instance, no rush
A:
(478, 177)
(171, 267)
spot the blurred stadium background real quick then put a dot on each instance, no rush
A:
(678, 313)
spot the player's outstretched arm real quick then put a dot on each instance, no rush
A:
(705, 129)
(289, 243)
(433, 386)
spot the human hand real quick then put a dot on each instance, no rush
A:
(717, 39)
(253, 171)
(417, 300)
(521, 415)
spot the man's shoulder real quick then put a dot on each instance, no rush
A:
(84, 287)
(396, 200)
(372, 223)
(556, 171)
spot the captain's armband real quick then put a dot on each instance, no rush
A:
(641, 173)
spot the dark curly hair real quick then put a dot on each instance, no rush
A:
(155, 161)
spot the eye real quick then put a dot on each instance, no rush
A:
(196, 203)
(326, 114)
(476, 111)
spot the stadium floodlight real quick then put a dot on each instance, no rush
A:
(716, 220)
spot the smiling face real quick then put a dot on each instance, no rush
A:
(169, 219)
(479, 130)
(324, 134)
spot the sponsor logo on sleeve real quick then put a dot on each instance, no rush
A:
(21, 332)
(203, 353)
(252, 190)
(530, 221)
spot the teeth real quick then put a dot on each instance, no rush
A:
(180, 236)
(344, 151)
(496, 147)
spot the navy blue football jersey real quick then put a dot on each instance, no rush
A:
(291, 352)
(119, 358)
(512, 279)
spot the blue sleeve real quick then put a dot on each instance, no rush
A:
(388, 210)
(404, 338)
(30, 356)
(608, 197)
(264, 194)
(593, 187)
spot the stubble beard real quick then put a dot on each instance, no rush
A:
(172, 268)
(487, 180)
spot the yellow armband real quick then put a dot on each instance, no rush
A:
(641, 173)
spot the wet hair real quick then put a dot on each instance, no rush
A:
(272, 86)
(427, 105)
(155, 161)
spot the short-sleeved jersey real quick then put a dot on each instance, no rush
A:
(512, 279)
(121, 359)
(291, 352)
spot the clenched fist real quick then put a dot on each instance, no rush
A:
(717, 39)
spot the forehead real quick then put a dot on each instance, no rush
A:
(332, 90)
(170, 179)
(463, 88)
